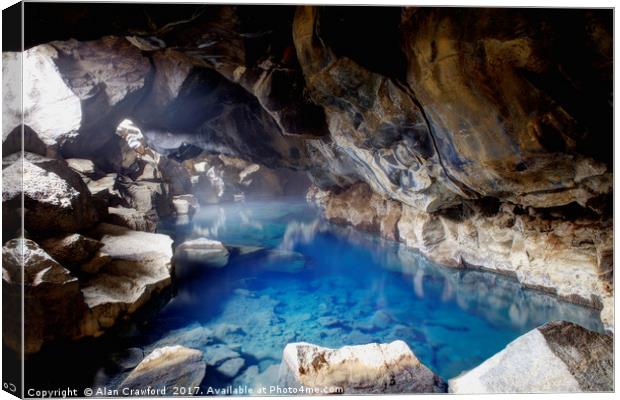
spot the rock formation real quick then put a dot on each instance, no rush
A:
(480, 137)
(370, 368)
(204, 251)
(556, 357)
(53, 302)
(167, 368)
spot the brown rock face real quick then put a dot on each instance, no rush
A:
(364, 209)
(505, 98)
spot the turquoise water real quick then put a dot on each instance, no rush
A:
(294, 277)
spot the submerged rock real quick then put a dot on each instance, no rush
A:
(167, 367)
(202, 250)
(365, 369)
(556, 357)
(194, 336)
(231, 368)
(283, 261)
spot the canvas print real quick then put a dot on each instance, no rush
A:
(288, 200)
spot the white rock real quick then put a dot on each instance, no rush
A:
(202, 250)
(370, 368)
(556, 357)
(82, 165)
(185, 204)
(140, 269)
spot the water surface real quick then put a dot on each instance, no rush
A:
(303, 279)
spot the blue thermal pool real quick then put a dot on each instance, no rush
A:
(293, 277)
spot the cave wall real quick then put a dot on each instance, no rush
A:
(430, 110)
(429, 106)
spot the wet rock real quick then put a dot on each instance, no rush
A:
(185, 204)
(140, 269)
(202, 250)
(166, 367)
(133, 219)
(55, 198)
(556, 357)
(52, 298)
(71, 250)
(371, 368)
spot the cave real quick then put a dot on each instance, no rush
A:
(206, 199)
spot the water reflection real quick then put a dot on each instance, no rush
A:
(499, 299)
(294, 277)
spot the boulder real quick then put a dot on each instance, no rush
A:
(217, 353)
(55, 197)
(71, 250)
(365, 369)
(106, 190)
(282, 260)
(168, 367)
(556, 357)
(83, 166)
(202, 250)
(53, 303)
(185, 204)
(133, 219)
(145, 196)
(140, 268)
